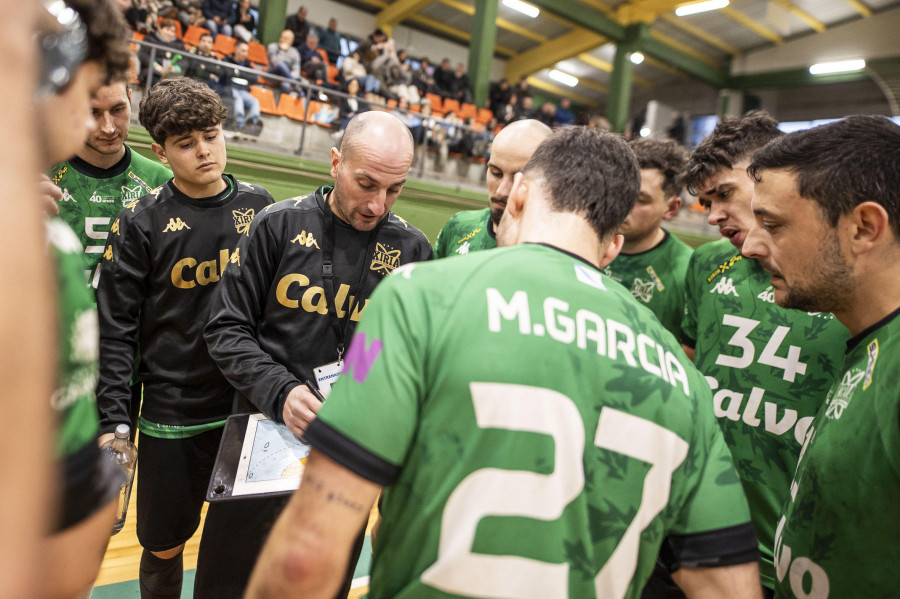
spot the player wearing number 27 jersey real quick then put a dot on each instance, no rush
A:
(571, 471)
(539, 433)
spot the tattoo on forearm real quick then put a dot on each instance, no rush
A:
(334, 496)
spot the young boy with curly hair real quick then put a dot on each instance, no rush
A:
(165, 253)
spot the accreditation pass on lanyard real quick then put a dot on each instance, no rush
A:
(327, 374)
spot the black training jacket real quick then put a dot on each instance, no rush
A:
(164, 257)
(275, 317)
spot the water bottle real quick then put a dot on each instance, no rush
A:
(123, 452)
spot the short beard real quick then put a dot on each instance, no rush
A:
(831, 285)
(496, 215)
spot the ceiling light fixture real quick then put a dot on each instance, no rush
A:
(841, 66)
(636, 57)
(563, 78)
(695, 7)
(522, 7)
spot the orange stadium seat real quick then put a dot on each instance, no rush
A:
(192, 35)
(332, 74)
(415, 108)
(467, 110)
(266, 99)
(324, 55)
(451, 104)
(136, 36)
(256, 52)
(297, 110)
(435, 102)
(484, 116)
(224, 45)
(286, 104)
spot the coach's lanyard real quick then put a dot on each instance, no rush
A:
(328, 275)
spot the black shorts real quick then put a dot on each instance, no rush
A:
(173, 475)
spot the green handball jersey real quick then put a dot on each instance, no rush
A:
(770, 369)
(839, 533)
(465, 232)
(78, 344)
(92, 196)
(540, 433)
(656, 278)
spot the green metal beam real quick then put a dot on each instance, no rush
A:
(790, 78)
(271, 20)
(481, 53)
(619, 100)
(594, 20)
(693, 67)
(585, 16)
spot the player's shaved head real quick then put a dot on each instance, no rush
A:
(510, 151)
(521, 137)
(379, 130)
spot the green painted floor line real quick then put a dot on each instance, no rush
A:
(130, 589)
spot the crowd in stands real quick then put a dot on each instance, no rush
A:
(436, 102)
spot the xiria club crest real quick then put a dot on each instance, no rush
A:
(841, 398)
(386, 259)
(242, 220)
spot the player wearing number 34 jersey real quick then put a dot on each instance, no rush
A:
(539, 433)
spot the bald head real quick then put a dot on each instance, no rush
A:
(370, 169)
(379, 132)
(511, 150)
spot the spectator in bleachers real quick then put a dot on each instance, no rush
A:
(499, 95)
(431, 128)
(547, 114)
(460, 88)
(564, 115)
(189, 12)
(139, 16)
(508, 111)
(442, 78)
(244, 24)
(298, 25)
(311, 61)
(330, 40)
(284, 59)
(219, 15)
(483, 140)
(412, 122)
(349, 107)
(166, 61)
(402, 58)
(524, 110)
(238, 82)
(423, 79)
(399, 82)
(208, 72)
(352, 68)
(523, 90)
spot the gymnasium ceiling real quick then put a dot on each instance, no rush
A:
(578, 36)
